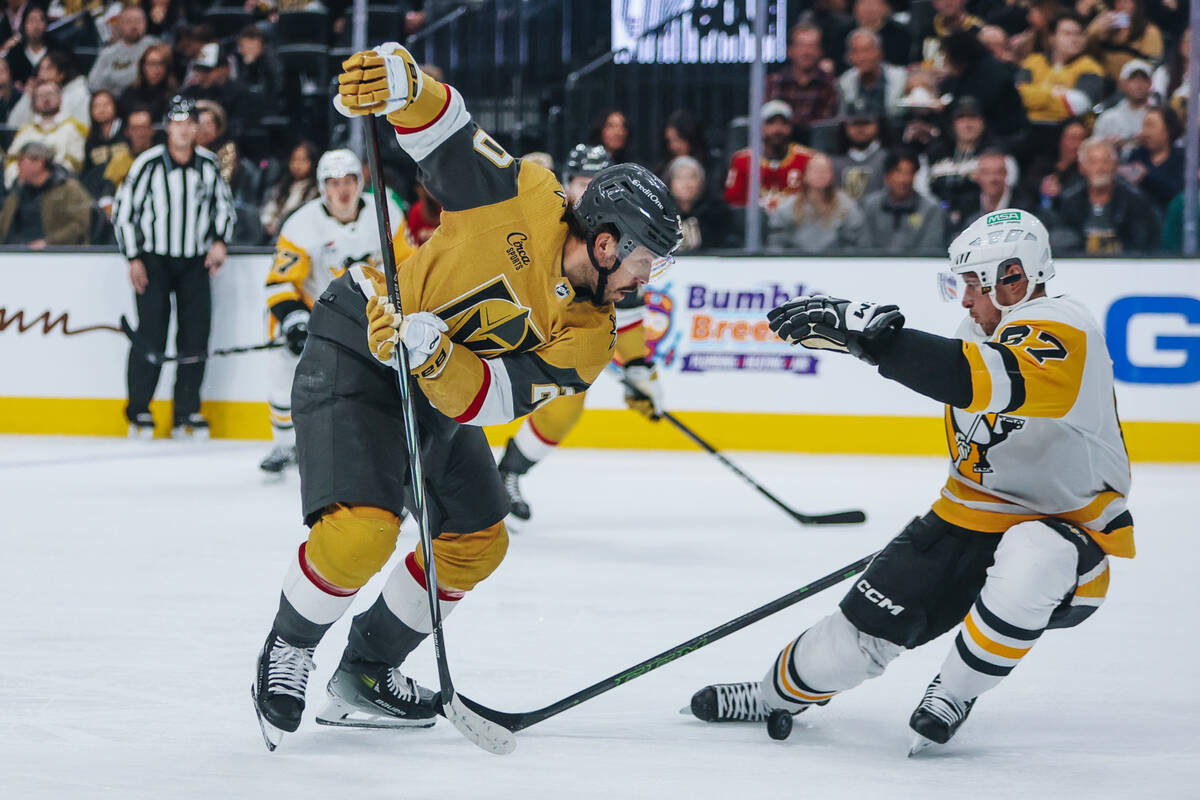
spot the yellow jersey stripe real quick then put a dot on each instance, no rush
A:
(995, 648)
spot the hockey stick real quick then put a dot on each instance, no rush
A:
(515, 721)
(157, 357)
(835, 518)
(485, 734)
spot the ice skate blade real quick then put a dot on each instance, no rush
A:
(342, 715)
(919, 745)
(272, 736)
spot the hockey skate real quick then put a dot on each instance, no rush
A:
(518, 508)
(193, 427)
(369, 694)
(280, 458)
(728, 702)
(141, 427)
(937, 718)
(278, 689)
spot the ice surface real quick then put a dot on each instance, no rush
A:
(139, 581)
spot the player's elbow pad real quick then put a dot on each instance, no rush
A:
(930, 365)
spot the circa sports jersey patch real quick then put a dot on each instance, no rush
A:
(516, 250)
(489, 320)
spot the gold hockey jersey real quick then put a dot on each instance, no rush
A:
(1041, 435)
(314, 248)
(493, 272)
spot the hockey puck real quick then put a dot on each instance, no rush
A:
(779, 724)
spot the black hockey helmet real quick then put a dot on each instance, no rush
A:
(585, 161)
(632, 200)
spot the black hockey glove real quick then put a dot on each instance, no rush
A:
(827, 323)
(295, 329)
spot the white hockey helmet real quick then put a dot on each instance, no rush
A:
(995, 241)
(335, 164)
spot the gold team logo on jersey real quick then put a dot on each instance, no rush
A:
(489, 320)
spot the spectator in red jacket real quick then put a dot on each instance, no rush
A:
(783, 161)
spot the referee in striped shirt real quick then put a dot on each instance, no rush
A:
(173, 215)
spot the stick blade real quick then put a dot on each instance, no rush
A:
(837, 518)
(483, 733)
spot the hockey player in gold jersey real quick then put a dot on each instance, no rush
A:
(544, 429)
(506, 307)
(321, 240)
(1019, 539)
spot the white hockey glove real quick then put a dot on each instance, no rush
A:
(378, 81)
(643, 392)
(422, 334)
(295, 329)
(828, 323)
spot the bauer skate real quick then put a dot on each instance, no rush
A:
(278, 688)
(369, 694)
(280, 458)
(937, 717)
(518, 507)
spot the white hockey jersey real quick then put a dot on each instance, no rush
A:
(314, 248)
(1041, 435)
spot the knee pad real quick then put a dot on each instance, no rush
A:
(1034, 566)
(833, 655)
(465, 559)
(349, 544)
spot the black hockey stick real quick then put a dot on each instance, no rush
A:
(835, 518)
(487, 735)
(515, 721)
(157, 357)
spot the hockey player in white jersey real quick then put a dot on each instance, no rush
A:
(321, 240)
(1019, 539)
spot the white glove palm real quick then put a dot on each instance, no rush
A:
(643, 391)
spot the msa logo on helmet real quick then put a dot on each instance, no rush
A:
(1003, 216)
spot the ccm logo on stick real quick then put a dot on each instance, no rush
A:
(1154, 339)
(873, 595)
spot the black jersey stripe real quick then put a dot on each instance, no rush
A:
(1015, 378)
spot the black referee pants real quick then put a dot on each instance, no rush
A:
(187, 279)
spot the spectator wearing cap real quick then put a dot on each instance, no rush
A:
(1123, 33)
(173, 216)
(117, 65)
(876, 16)
(782, 169)
(53, 127)
(993, 191)
(704, 219)
(809, 91)
(897, 218)
(1156, 166)
(953, 160)
(209, 79)
(1121, 123)
(870, 78)
(1064, 81)
(1104, 215)
(821, 218)
(923, 114)
(46, 206)
(859, 168)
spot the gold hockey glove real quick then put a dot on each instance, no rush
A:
(643, 392)
(422, 333)
(378, 81)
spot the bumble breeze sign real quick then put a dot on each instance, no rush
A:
(715, 328)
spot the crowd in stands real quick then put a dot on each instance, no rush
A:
(885, 129)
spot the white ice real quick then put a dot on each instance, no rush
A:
(138, 580)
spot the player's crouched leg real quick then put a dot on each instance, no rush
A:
(1035, 573)
(346, 546)
(399, 619)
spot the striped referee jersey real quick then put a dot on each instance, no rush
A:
(170, 209)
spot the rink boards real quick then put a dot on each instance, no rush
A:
(62, 356)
